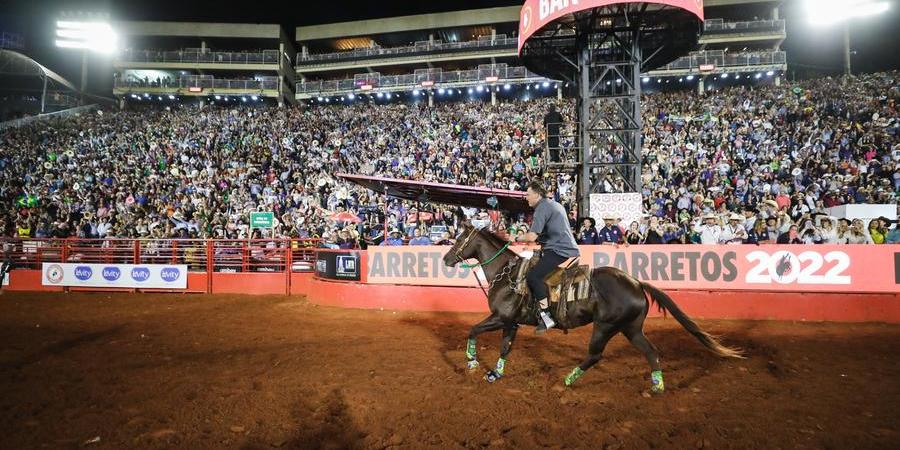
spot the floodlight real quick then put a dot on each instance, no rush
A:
(94, 36)
(826, 12)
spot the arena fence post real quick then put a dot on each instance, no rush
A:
(289, 264)
(210, 265)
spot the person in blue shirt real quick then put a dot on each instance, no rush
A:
(610, 233)
(394, 238)
(588, 235)
(421, 238)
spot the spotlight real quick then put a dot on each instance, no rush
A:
(171, 97)
(388, 95)
(545, 84)
(351, 96)
(480, 88)
(737, 77)
(506, 86)
(244, 99)
(659, 80)
(416, 92)
(470, 90)
(758, 76)
(380, 94)
(254, 98)
(769, 73)
(146, 95)
(536, 85)
(441, 91)
(556, 86)
(724, 75)
(317, 98)
(618, 80)
(158, 97)
(680, 80)
(645, 79)
(690, 77)
(327, 100)
(528, 87)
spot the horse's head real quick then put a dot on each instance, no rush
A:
(466, 246)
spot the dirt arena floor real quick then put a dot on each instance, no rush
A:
(117, 371)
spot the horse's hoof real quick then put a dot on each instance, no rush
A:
(492, 376)
(657, 390)
(472, 365)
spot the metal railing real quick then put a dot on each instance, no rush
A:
(421, 47)
(200, 255)
(721, 26)
(438, 76)
(198, 56)
(721, 59)
(266, 83)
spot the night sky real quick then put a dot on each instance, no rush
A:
(810, 51)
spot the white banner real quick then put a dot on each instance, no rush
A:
(157, 276)
(626, 207)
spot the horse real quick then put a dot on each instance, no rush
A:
(617, 303)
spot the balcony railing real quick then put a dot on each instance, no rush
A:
(207, 82)
(718, 26)
(438, 76)
(197, 56)
(419, 48)
(719, 58)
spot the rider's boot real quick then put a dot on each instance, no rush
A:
(544, 322)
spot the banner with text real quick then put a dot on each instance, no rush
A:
(796, 268)
(155, 276)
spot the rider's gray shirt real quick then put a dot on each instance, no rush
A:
(552, 228)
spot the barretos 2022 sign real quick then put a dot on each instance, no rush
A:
(798, 268)
(155, 276)
(537, 13)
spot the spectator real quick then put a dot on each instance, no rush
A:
(610, 233)
(588, 234)
(710, 230)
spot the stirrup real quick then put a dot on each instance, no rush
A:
(545, 322)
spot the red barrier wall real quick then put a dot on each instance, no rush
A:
(699, 304)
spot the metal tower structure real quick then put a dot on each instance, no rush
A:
(602, 47)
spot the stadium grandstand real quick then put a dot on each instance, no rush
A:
(217, 120)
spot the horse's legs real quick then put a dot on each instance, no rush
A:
(603, 332)
(490, 323)
(509, 335)
(635, 333)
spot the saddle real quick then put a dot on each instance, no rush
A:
(569, 282)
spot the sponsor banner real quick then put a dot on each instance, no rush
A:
(537, 13)
(797, 268)
(338, 265)
(420, 265)
(156, 276)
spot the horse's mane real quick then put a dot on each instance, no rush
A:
(494, 239)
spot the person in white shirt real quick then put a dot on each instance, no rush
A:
(710, 231)
(827, 230)
(734, 232)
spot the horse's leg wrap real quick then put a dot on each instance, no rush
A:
(501, 366)
(656, 381)
(471, 348)
(575, 374)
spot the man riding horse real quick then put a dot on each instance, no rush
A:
(550, 228)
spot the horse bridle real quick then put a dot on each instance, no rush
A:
(465, 244)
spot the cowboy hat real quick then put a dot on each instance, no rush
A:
(771, 203)
(709, 216)
(734, 216)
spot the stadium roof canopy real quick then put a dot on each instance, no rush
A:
(433, 21)
(449, 194)
(13, 63)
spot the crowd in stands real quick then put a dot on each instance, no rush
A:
(740, 164)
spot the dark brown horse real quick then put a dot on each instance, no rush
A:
(617, 303)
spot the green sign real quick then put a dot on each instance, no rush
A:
(262, 220)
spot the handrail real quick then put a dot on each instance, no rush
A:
(422, 46)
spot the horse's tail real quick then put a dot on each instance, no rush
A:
(665, 303)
